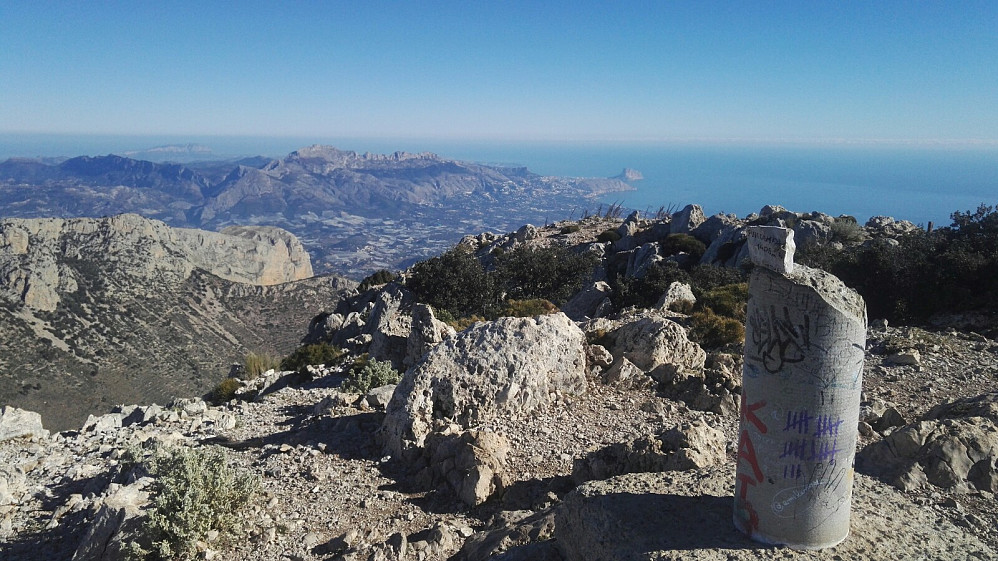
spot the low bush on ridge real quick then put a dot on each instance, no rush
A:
(306, 355)
(193, 492)
(224, 391)
(948, 270)
(367, 373)
(457, 285)
(256, 364)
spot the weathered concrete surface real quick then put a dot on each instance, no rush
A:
(804, 353)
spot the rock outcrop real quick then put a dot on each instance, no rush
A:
(659, 346)
(953, 446)
(40, 258)
(125, 309)
(502, 369)
(18, 423)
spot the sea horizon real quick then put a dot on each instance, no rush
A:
(921, 182)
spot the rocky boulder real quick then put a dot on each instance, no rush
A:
(472, 463)
(677, 295)
(687, 220)
(115, 523)
(500, 369)
(954, 446)
(18, 423)
(591, 302)
(691, 445)
(716, 226)
(389, 325)
(728, 248)
(659, 346)
(812, 232)
(887, 226)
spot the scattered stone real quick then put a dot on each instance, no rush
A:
(18, 423)
(911, 357)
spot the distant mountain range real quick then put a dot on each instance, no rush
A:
(326, 196)
(173, 153)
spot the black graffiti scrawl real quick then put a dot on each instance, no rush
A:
(776, 339)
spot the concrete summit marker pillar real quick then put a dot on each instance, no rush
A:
(805, 337)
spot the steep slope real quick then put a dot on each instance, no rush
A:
(122, 309)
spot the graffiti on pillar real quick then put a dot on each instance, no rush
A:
(806, 445)
(746, 452)
(776, 339)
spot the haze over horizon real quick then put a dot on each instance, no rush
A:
(846, 72)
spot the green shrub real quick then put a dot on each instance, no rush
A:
(610, 235)
(377, 278)
(193, 492)
(320, 353)
(729, 301)
(461, 324)
(551, 273)
(456, 282)
(256, 364)
(645, 292)
(444, 315)
(682, 307)
(706, 277)
(914, 276)
(528, 308)
(367, 373)
(683, 243)
(570, 229)
(224, 392)
(713, 331)
(847, 231)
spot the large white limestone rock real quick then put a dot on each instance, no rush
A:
(504, 368)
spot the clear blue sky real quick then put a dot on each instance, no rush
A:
(503, 70)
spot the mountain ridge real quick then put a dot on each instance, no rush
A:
(318, 192)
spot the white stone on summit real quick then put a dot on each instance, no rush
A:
(772, 247)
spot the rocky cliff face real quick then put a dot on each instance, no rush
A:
(121, 309)
(38, 256)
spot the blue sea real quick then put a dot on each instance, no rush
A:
(916, 182)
